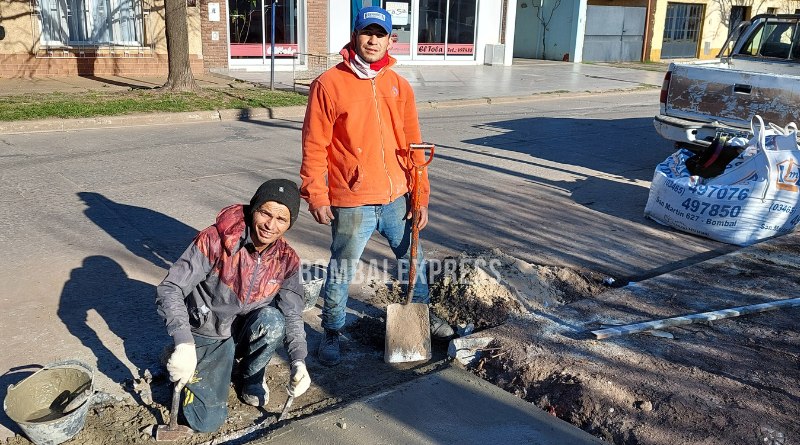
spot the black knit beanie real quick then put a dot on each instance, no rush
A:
(282, 191)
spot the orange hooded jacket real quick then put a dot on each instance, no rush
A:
(356, 134)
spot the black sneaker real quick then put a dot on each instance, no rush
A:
(439, 328)
(328, 353)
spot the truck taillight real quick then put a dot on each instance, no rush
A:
(665, 88)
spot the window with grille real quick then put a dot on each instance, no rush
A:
(91, 22)
(682, 28)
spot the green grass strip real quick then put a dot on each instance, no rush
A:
(115, 103)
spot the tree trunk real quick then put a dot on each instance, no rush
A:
(177, 30)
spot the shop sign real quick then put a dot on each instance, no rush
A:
(399, 13)
(213, 12)
(254, 50)
(452, 49)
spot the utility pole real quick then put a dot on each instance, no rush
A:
(272, 48)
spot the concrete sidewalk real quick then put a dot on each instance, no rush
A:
(451, 406)
(436, 84)
(432, 83)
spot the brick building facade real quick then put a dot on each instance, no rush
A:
(127, 37)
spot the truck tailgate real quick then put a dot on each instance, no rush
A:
(709, 93)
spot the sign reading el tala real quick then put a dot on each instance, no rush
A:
(756, 195)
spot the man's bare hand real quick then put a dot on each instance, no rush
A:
(423, 217)
(323, 214)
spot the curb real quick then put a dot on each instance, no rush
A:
(137, 120)
(255, 114)
(505, 100)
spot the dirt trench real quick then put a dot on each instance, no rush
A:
(732, 381)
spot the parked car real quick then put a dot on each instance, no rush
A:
(759, 75)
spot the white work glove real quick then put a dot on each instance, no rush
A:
(300, 379)
(181, 363)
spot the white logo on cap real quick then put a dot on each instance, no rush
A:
(280, 189)
(374, 15)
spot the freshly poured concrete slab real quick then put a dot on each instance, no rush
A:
(447, 407)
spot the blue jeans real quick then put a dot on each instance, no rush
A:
(351, 229)
(255, 336)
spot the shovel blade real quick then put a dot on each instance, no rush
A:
(408, 333)
(166, 434)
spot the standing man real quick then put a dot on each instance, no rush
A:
(232, 297)
(361, 118)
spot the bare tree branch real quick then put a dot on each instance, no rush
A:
(545, 21)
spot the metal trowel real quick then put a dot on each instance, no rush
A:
(285, 413)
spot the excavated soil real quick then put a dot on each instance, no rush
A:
(730, 382)
(485, 290)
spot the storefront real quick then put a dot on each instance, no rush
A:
(251, 31)
(430, 29)
(423, 31)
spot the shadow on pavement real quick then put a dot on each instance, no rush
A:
(101, 305)
(122, 82)
(146, 233)
(604, 145)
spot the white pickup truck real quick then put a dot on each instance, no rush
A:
(760, 75)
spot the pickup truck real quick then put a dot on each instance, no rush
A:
(759, 75)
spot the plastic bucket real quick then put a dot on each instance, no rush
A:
(313, 279)
(37, 403)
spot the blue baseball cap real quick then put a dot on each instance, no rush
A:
(373, 15)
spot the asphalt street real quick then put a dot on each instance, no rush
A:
(93, 218)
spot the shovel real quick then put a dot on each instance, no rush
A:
(408, 329)
(173, 431)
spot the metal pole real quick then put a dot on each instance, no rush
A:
(272, 49)
(695, 318)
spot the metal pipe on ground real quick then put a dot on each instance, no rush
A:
(694, 318)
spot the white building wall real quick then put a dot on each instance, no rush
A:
(490, 14)
(339, 22)
(578, 30)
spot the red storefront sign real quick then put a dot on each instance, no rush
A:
(453, 49)
(254, 50)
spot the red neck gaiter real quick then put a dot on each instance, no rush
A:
(375, 66)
